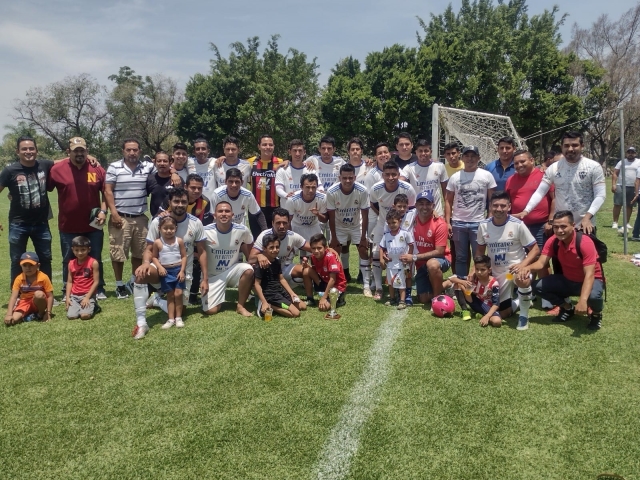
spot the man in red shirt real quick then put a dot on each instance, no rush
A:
(576, 273)
(433, 257)
(325, 273)
(80, 188)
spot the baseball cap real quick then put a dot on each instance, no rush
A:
(77, 142)
(631, 149)
(471, 148)
(425, 195)
(29, 257)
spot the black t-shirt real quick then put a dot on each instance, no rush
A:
(403, 163)
(270, 279)
(158, 187)
(28, 189)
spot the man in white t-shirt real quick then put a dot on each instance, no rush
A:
(511, 247)
(308, 207)
(426, 175)
(204, 165)
(348, 209)
(579, 181)
(231, 148)
(355, 149)
(631, 169)
(288, 178)
(225, 242)
(191, 231)
(240, 199)
(467, 193)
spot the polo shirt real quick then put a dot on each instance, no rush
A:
(521, 189)
(572, 264)
(500, 174)
(129, 186)
(79, 192)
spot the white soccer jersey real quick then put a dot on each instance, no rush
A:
(505, 243)
(190, 230)
(574, 185)
(221, 172)
(407, 222)
(207, 171)
(347, 207)
(289, 179)
(428, 179)
(373, 176)
(470, 194)
(396, 245)
(245, 201)
(379, 194)
(289, 245)
(223, 249)
(327, 172)
(301, 211)
(361, 172)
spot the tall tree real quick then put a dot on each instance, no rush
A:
(249, 94)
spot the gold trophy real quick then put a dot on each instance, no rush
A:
(333, 300)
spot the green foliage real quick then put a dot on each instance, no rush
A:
(248, 94)
(46, 146)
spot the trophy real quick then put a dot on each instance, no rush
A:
(333, 299)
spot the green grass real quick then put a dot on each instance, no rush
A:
(228, 397)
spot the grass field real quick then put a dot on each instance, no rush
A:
(377, 394)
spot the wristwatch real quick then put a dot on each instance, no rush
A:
(103, 211)
(415, 257)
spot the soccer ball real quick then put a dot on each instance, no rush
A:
(443, 306)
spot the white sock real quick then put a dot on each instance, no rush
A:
(366, 273)
(140, 296)
(119, 283)
(524, 295)
(377, 274)
(546, 304)
(162, 303)
(132, 279)
(515, 303)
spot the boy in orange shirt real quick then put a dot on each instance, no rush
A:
(34, 290)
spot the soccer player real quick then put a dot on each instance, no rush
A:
(373, 176)
(308, 207)
(510, 247)
(180, 161)
(426, 175)
(225, 241)
(503, 167)
(355, 148)
(404, 147)
(395, 243)
(382, 197)
(328, 166)
(288, 178)
(348, 209)
(204, 164)
(239, 198)
(263, 182)
(324, 273)
(231, 149)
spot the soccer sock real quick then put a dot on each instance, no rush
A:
(119, 283)
(132, 279)
(546, 304)
(344, 258)
(366, 272)
(408, 291)
(524, 294)
(377, 274)
(140, 295)
(515, 304)
(162, 303)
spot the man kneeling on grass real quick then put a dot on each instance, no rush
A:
(271, 288)
(324, 273)
(34, 290)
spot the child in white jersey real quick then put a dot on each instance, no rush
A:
(407, 221)
(394, 243)
(170, 258)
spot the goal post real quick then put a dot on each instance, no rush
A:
(467, 127)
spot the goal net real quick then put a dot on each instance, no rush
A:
(467, 127)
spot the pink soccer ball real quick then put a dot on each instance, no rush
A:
(443, 306)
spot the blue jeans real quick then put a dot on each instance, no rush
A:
(40, 235)
(464, 233)
(96, 238)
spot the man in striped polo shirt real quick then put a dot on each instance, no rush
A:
(126, 196)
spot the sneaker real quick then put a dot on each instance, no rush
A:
(629, 227)
(408, 301)
(367, 293)
(466, 315)
(564, 314)
(635, 239)
(621, 230)
(391, 303)
(140, 331)
(377, 295)
(30, 318)
(614, 225)
(523, 323)
(402, 305)
(341, 301)
(121, 292)
(450, 292)
(153, 301)
(56, 303)
(553, 312)
(311, 302)
(193, 299)
(129, 287)
(179, 323)
(101, 295)
(595, 321)
(168, 324)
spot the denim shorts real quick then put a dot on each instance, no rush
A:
(170, 282)
(423, 284)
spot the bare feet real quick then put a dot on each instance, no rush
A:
(243, 311)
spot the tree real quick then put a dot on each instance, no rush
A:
(46, 146)
(143, 108)
(248, 94)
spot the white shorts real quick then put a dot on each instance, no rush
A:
(307, 232)
(352, 235)
(219, 284)
(286, 273)
(396, 277)
(506, 286)
(373, 221)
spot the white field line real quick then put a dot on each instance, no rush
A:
(342, 445)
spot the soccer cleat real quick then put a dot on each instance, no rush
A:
(595, 321)
(193, 299)
(408, 301)
(153, 301)
(402, 305)
(614, 225)
(347, 275)
(101, 295)
(523, 323)
(367, 293)
(564, 314)
(168, 324)
(140, 331)
(179, 323)
(359, 279)
(466, 315)
(553, 312)
(121, 292)
(311, 302)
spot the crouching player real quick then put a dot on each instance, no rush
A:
(270, 285)
(324, 273)
(34, 290)
(84, 277)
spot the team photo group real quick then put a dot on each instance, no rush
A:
(481, 235)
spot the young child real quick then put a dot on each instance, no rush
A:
(483, 292)
(34, 290)
(84, 277)
(394, 243)
(324, 273)
(270, 286)
(407, 221)
(170, 258)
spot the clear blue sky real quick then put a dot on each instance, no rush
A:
(43, 41)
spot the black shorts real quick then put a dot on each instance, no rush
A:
(278, 299)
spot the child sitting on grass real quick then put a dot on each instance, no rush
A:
(395, 243)
(482, 292)
(270, 286)
(170, 258)
(324, 273)
(83, 280)
(34, 290)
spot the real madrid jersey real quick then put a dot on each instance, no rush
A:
(427, 179)
(289, 245)
(384, 199)
(220, 172)
(327, 172)
(289, 179)
(407, 222)
(223, 249)
(396, 245)
(240, 205)
(190, 230)
(207, 171)
(347, 207)
(301, 209)
(505, 243)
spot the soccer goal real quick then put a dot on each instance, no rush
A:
(470, 128)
